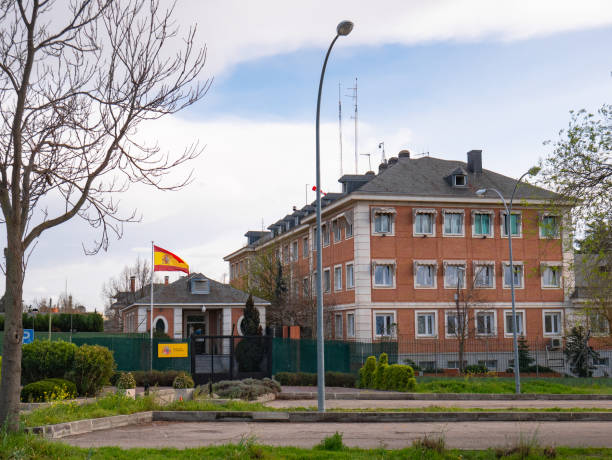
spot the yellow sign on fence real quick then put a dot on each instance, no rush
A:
(172, 350)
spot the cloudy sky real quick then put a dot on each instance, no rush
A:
(442, 77)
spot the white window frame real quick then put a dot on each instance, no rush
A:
(417, 211)
(465, 180)
(476, 264)
(460, 263)
(327, 289)
(295, 250)
(336, 268)
(305, 247)
(494, 323)
(546, 265)
(416, 324)
(522, 330)
(335, 226)
(392, 313)
(503, 273)
(453, 312)
(336, 323)
(352, 280)
(491, 215)
(325, 230)
(391, 212)
(350, 331)
(164, 320)
(434, 263)
(384, 262)
(346, 227)
(502, 230)
(540, 226)
(453, 211)
(549, 312)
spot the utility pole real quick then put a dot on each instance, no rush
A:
(356, 118)
(340, 123)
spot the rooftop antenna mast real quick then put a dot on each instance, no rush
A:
(340, 122)
(356, 118)
(369, 155)
(381, 145)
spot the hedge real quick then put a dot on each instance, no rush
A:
(332, 379)
(92, 368)
(152, 378)
(382, 376)
(60, 322)
(48, 390)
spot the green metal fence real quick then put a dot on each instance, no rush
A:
(132, 352)
(300, 355)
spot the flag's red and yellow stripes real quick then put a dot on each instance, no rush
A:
(166, 261)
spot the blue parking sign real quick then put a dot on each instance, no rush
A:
(28, 335)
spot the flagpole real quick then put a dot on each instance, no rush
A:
(152, 271)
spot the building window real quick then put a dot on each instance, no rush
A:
(519, 323)
(484, 275)
(552, 323)
(482, 224)
(551, 276)
(455, 364)
(454, 274)
(485, 323)
(160, 324)
(305, 247)
(305, 286)
(338, 325)
(515, 225)
(549, 226)
(518, 274)
(336, 230)
(384, 324)
(350, 276)
(384, 274)
(286, 254)
(453, 223)
(424, 223)
(426, 324)
(325, 232)
(294, 251)
(383, 220)
(459, 180)
(350, 325)
(348, 229)
(425, 275)
(326, 280)
(338, 278)
(490, 364)
(454, 326)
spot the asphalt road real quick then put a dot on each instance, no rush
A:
(475, 435)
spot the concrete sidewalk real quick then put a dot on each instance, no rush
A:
(406, 403)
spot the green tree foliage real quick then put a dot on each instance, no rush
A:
(250, 324)
(251, 349)
(366, 373)
(525, 360)
(92, 368)
(579, 353)
(382, 376)
(81, 322)
(42, 360)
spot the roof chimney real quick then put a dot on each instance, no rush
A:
(382, 167)
(295, 208)
(392, 161)
(474, 161)
(166, 279)
(404, 154)
(132, 283)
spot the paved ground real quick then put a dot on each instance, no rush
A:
(397, 404)
(390, 435)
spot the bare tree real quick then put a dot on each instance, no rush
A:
(76, 80)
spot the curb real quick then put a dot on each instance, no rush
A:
(61, 430)
(365, 395)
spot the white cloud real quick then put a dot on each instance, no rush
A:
(235, 30)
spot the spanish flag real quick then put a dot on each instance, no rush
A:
(166, 261)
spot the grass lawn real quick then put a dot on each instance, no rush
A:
(21, 446)
(564, 385)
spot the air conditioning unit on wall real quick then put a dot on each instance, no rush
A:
(555, 344)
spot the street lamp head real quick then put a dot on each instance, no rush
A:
(344, 28)
(481, 192)
(534, 171)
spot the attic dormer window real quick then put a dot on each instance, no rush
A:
(459, 180)
(200, 286)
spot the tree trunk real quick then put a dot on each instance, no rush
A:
(13, 334)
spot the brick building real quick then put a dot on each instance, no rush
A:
(397, 244)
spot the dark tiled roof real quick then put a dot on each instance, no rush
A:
(426, 177)
(179, 292)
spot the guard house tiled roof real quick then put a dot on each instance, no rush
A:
(179, 292)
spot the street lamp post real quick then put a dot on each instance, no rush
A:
(344, 28)
(532, 172)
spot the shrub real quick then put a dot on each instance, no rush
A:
(92, 368)
(366, 373)
(48, 390)
(248, 389)
(183, 380)
(333, 442)
(399, 377)
(152, 378)
(340, 379)
(42, 359)
(381, 366)
(332, 379)
(476, 369)
(126, 381)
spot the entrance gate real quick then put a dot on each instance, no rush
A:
(226, 357)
